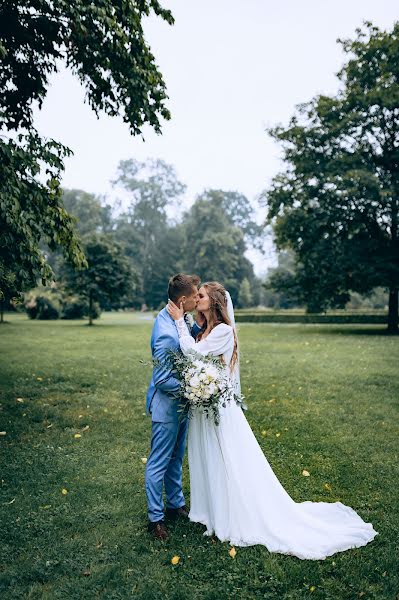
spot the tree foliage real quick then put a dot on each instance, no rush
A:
(336, 204)
(91, 214)
(104, 45)
(156, 245)
(244, 294)
(150, 238)
(214, 245)
(109, 275)
(102, 42)
(282, 284)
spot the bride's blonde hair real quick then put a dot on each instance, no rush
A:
(218, 313)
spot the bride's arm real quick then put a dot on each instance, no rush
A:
(216, 343)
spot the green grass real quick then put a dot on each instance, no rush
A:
(330, 392)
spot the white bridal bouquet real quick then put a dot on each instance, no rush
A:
(205, 384)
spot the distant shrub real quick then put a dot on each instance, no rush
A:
(76, 307)
(51, 303)
(309, 318)
(43, 304)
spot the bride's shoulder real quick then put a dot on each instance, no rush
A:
(222, 329)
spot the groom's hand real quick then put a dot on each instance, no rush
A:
(175, 311)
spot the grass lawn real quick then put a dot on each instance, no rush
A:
(321, 398)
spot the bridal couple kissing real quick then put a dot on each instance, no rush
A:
(234, 492)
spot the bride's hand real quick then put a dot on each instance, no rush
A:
(174, 311)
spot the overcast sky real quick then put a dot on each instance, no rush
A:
(232, 69)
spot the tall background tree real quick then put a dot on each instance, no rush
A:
(336, 204)
(150, 237)
(104, 45)
(216, 236)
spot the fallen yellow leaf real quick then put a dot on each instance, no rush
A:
(39, 378)
(312, 588)
(264, 432)
(306, 473)
(327, 486)
(77, 436)
(278, 434)
(175, 560)
(233, 552)
(86, 428)
(21, 400)
(144, 460)
(3, 432)
(64, 491)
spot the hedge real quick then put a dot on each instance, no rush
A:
(309, 318)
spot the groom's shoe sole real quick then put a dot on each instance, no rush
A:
(177, 513)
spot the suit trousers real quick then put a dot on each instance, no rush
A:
(164, 466)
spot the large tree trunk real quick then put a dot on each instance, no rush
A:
(393, 311)
(91, 307)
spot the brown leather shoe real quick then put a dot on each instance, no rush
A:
(158, 530)
(177, 513)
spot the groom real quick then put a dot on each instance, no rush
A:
(169, 427)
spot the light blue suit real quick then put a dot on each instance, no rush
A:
(169, 427)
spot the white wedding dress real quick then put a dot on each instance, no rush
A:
(235, 493)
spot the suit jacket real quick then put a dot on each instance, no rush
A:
(164, 387)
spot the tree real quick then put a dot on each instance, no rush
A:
(109, 275)
(283, 281)
(104, 45)
(215, 247)
(239, 211)
(91, 214)
(336, 204)
(148, 236)
(31, 212)
(244, 294)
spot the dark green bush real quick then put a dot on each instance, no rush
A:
(44, 304)
(51, 303)
(76, 307)
(306, 318)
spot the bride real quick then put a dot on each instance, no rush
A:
(234, 491)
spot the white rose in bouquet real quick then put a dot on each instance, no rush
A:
(211, 372)
(212, 388)
(194, 381)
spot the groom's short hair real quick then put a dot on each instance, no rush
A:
(182, 285)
